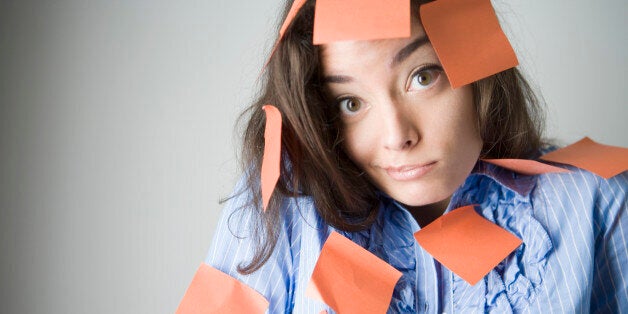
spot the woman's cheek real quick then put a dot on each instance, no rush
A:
(356, 143)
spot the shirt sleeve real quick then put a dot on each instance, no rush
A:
(611, 257)
(235, 243)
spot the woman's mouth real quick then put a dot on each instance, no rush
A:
(409, 172)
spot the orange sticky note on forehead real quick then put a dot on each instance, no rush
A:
(351, 279)
(466, 243)
(213, 291)
(467, 38)
(336, 20)
(604, 160)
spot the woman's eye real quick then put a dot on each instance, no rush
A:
(423, 79)
(349, 105)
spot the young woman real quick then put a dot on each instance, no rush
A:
(376, 144)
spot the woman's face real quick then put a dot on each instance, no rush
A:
(415, 136)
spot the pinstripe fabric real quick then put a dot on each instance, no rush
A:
(574, 256)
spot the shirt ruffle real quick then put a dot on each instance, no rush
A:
(513, 284)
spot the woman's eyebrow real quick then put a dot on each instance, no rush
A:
(337, 79)
(406, 51)
(403, 54)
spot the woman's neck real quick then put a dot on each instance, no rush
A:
(425, 214)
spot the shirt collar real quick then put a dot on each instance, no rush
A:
(518, 183)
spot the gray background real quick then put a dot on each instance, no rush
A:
(117, 138)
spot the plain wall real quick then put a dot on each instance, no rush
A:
(117, 132)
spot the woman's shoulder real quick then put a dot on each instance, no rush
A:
(574, 185)
(580, 186)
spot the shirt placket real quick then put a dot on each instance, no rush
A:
(427, 282)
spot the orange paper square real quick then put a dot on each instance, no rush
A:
(272, 153)
(351, 279)
(525, 166)
(213, 291)
(467, 38)
(466, 243)
(604, 160)
(336, 20)
(294, 9)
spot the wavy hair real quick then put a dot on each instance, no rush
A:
(314, 164)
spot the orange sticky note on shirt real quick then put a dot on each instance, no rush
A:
(350, 279)
(467, 38)
(213, 291)
(336, 20)
(525, 166)
(272, 153)
(604, 160)
(466, 243)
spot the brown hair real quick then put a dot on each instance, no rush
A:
(314, 164)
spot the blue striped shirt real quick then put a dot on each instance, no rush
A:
(573, 259)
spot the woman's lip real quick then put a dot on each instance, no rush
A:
(409, 172)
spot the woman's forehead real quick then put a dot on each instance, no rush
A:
(337, 55)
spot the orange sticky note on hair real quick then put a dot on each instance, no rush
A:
(294, 9)
(466, 243)
(604, 160)
(350, 279)
(272, 153)
(467, 38)
(336, 20)
(525, 166)
(213, 291)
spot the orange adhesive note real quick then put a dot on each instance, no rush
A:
(467, 38)
(272, 152)
(466, 243)
(336, 20)
(604, 160)
(350, 279)
(525, 166)
(213, 291)
(294, 9)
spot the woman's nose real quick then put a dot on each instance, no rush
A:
(399, 131)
